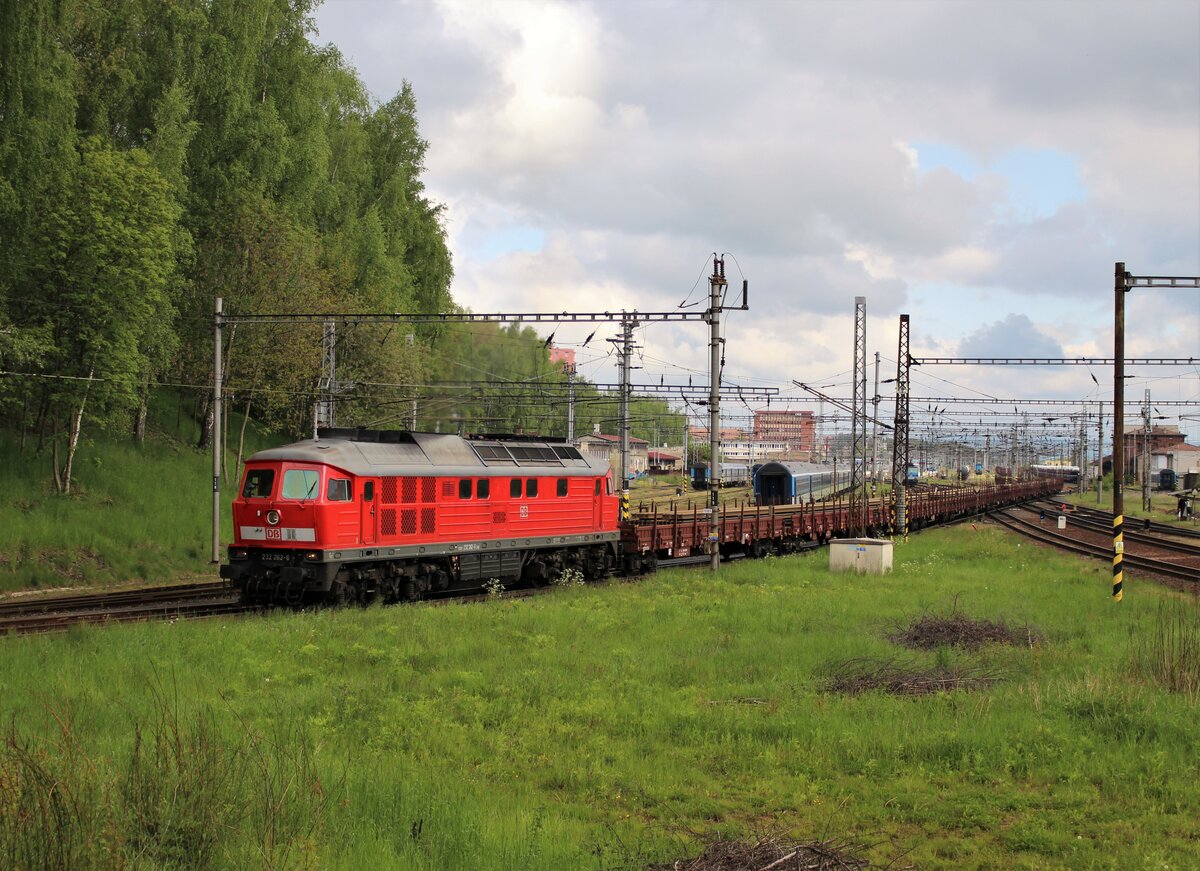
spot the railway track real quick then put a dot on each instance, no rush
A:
(58, 613)
(1094, 548)
(1095, 515)
(1102, 523)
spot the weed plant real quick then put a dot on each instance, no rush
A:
(612, 727)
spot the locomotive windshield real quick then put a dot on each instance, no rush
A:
(300, 483)
(258, 484)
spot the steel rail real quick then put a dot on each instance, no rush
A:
(1101, 552)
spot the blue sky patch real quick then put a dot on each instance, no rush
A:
(1040, 180)
(934, 155)
(511, 240)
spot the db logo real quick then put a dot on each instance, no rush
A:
(524, 510)
(274, 534)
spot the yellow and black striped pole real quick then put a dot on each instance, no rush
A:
(1118, 556)
(1118, 453)
(625, 505)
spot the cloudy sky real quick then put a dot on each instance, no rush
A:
(978, 166)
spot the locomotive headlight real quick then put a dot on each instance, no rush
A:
(273, 517)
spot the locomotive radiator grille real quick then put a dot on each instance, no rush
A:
(387, 491)
(387, 521)
(408, 522)
(409, 490)
(428, 490)
(428, 520)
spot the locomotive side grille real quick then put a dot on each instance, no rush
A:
(387, 492)
(447, 489)
(387, 520)
(499, 517)
(428, 520)
(409, 490)
(408, 522)
(428, 489)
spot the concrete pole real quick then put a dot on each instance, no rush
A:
(626, 352)
(716, 284)
(1146, 428)
(216, 436)
(875, 429)
(571, 403)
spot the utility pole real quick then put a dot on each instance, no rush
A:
(1099, 453)
(875, 430)
(1083, 453)
(687, 425)
(1119, 291)
(625, 352)
(900, 436)
(1146, 453)
(571, 403)
(218, 448)
(858, 423)
(716, 286)
(328, 383)
(1123, 282)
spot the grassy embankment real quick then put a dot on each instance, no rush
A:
(604, 727)
(137, 513)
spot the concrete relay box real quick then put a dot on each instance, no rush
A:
(872, 556)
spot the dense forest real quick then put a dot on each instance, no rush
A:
(158, 154)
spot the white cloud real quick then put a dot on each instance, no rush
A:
(639, 138)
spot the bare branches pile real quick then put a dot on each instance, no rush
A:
(856, 676)
(773, 854)
(956, 629)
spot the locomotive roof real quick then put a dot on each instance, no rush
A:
(795, 469)
(397, 453)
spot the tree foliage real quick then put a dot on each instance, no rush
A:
(158, 154)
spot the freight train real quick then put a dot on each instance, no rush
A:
(358, 515)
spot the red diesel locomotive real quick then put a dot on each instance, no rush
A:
(360, 514)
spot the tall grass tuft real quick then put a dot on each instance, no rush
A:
(1170, 656)
(49, 802)
(188, 795)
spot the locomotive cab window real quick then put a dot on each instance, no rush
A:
(514, 488)
(338, 490)
(483, 488)
(301, 483)
(258, 484)
(561, 489)
(464, 488)
(531, 487)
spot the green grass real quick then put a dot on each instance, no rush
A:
(604, 727)
(137, 513)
